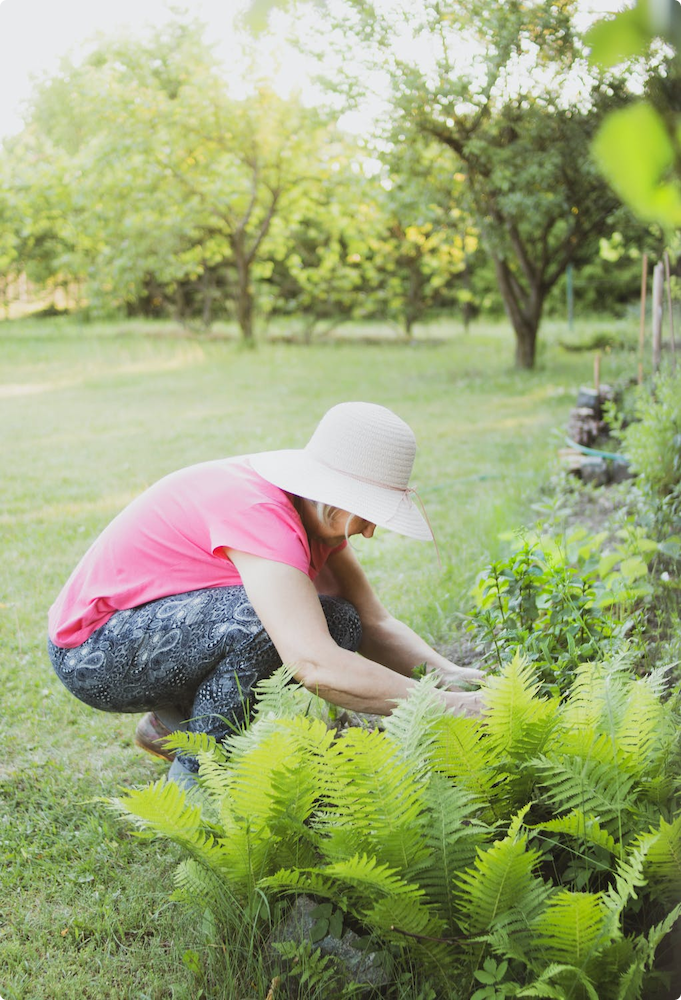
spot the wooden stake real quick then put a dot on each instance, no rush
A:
(597, 371)
(642, 331)
(667, 271)
(658, 289)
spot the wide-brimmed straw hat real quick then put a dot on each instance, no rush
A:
(360, 459)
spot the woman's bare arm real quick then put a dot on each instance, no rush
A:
(287, 603)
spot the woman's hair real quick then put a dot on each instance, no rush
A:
(326, 512)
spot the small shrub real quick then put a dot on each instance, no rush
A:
(652, 442)
(564, 602)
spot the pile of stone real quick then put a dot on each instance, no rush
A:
(586, 428)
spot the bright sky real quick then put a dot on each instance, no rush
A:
(35, 34)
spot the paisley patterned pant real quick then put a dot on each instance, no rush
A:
(197, 654)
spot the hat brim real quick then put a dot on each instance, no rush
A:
(295, 471)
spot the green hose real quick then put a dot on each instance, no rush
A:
(611, 456)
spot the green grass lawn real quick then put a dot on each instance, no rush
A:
(89, 416)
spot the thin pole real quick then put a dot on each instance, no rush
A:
(667, 271)
(642, 331)
(657, 309)
(570, 298)
(597, 371)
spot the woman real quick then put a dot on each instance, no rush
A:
(220, 572)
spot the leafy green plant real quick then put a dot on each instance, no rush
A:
(652, 442)
(550, 597)
(534, 852)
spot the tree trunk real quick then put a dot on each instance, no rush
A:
(244, 292)
(207, 290)
(412, 309)
(524, 309)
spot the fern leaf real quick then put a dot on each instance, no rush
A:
(584, 828)
(451, 836)
(299, 881)
(410, 924)
(374, 801)
(631, 982)
(663, 861)
(499, 881)
(164, 808)
(215, 777)
(572, 784)
(193, 743)
(597, 700)
(411, 725)
(280, 696)
(514, 931)
(645, 729)
(657, 933)
(542, 986)
(462, 752)
(629, 875)
(573, 928)
(518, 723)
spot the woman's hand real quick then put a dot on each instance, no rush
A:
(454, 677)
(470, 703)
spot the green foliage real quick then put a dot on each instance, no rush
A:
(652, 441)
(531, 187)
(638, 146)
(547, 598)
(520, 879)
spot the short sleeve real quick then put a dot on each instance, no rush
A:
(269, 530)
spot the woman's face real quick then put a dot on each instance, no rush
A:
(333, 532)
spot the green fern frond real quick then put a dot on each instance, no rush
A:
(215, 778)
(630, 982)
(644, 728)
(594, 788)
(452, 836)
(573, 928)
(584, 828)
(256, 772)
(411, 725)
(462, 752)
(514, 931)
(518, 722)
(201, 889)
(280, 696)
(374, 801)
(628, 875)
(500, 880)
(164, 808)
(663, 861)
(397, 918)
(597, 700)
(374, 879)
(193, 743)
(566, 977)
(657, 934)
(301, 881)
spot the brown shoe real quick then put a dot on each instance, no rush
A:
(149, 735)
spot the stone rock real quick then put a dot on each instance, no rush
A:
(594, 470)
(619, 471)
(589, 399)
(359, 966)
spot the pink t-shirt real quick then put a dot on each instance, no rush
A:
(169, 541)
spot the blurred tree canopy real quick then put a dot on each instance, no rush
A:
(518, 115)
(142, 180)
